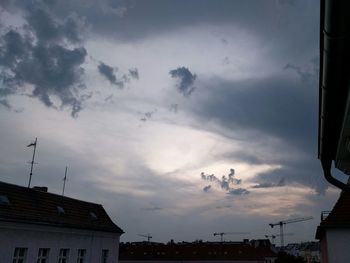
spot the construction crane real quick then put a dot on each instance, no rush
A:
(221, 234)
(289, 221)
(148, 236)
(277, 235)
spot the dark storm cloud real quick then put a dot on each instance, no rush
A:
(306, 172)
(5, 103)
(40, 57)
(147, 115)
(276, 106)
(14, 47)
(134, 73)
(47, 29)
(110, 74)
(306, 74)
(143, 19)
(238, 191)
(185, 80)
(280, 183)
(226, 183)
(281, 107)
(206, 188)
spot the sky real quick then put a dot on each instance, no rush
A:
(183, 118)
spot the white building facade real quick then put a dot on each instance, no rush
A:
(334, 232)
(40, 227)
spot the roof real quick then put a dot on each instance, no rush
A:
(334, 72)
(194, 251)
(339, 217)
(334, 92)
(26, 205)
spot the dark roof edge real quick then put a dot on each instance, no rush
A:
(49, 193)
(114, 228)
(50, 224)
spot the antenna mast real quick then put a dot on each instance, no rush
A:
(64, 180)
(32, 162)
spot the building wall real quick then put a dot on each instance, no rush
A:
(338, 245)
(33, 237)
(324, 249)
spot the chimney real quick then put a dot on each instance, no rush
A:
(40, 188)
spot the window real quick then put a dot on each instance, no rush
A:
(81, 255)
(93, 216)
(104, 256)
(20, 254)
(60, 210)
(64, 255)
(43, 255)
(4, 200)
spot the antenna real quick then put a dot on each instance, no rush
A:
(64, 180)
(32, 162)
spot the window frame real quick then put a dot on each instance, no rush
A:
(17, 257)
(81, 255)
(63, 258)
(104, 255)
(43, 258)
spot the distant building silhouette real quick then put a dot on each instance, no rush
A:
(255, 251)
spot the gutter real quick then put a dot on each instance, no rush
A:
(333, 81)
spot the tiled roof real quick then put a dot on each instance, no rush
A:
(339, 217)
(27, 205)
(194, 251)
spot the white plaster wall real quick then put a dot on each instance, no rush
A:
(34, 237)
(338, 244)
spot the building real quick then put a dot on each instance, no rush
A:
(334, 232)
(309, 251)
(258, 251)
(37, 226)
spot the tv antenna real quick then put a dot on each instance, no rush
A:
(64, 180)
(32, 162)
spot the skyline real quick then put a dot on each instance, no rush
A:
(182, 118)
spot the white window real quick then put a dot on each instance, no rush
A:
(64, 255)
(81, 255)
(20, 254)
(104, 256)
(43, 255)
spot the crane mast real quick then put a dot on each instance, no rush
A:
(273, 237)
(148, 236)
(288, 221)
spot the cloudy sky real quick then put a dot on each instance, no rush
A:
(183, 118)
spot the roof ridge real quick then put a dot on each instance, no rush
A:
(48, 193)
(34, 206)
